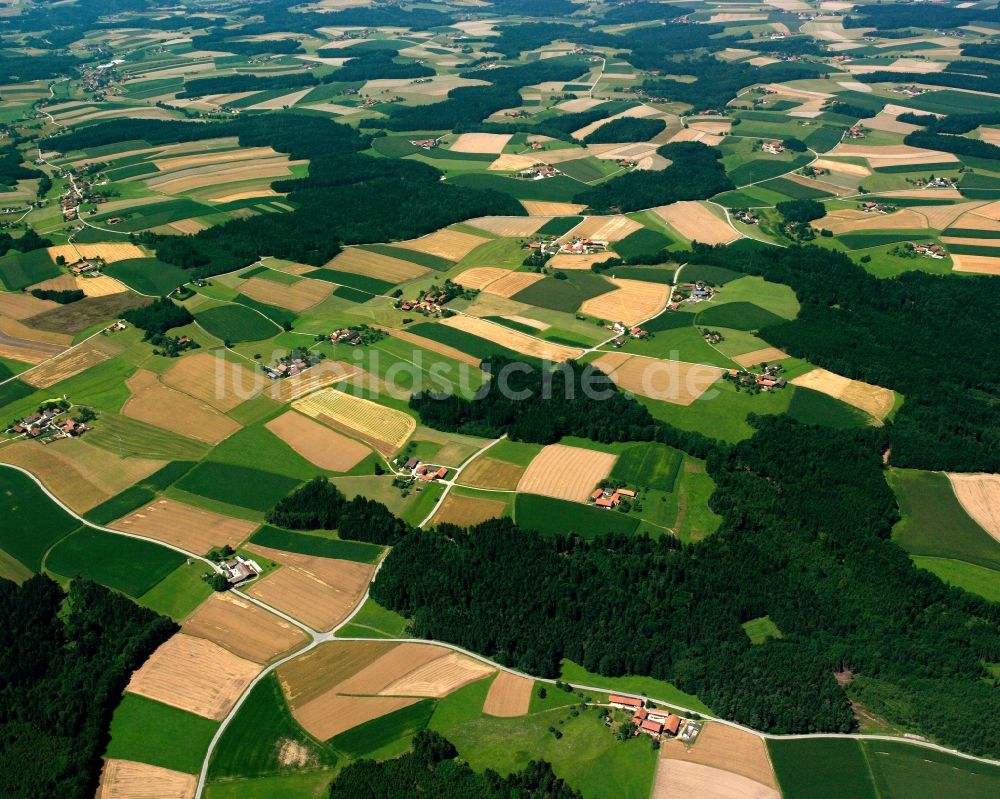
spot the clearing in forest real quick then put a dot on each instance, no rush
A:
(566, 472)
(873, 400)
(979, 494)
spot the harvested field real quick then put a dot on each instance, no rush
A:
(568, 261)
(971, 242)
(670, 381)
(389, 668)
(681, 778)
(479, 277)
(842, 167)
(979, 494)
(633, 301)
(242, 627)
(323, 374)
(382, 267)
(690, 134)
(319, 592)
(524, 320)
(724, 747)
(299, 296)
(509, 696)
(152, 402)
(70, 319)
(69, 363)
(578, 105)
(439, 677)
(185, 526)
(214, 157)
(317, 443)
(888, 123)
(512, 339)
(540, 208)
(513, 282)
(566, 472)
(874, 400)
(57, 340)
(466, 511)
(480, 143)
(436, 346)
(314, 673)
(111, 251)
(715, 128)
(210, 378)
(208, 176)
(893, 154)
(100, 286)
(979, 264)
(60, 283)
(604, 228)
(21, 306)
(384, 428)
(511, 162)
(941, 216)
(223, 196)
(187, 227)
(451, 244)
(765, 355)
(195, 675)
(332, 714)
(695, 222)
(126, 779)
(854, 221)
(487, 472)
(80, 474)
(509, 227)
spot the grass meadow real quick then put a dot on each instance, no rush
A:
(237, 485)
(818, 768)
(236, 323)
(374, 621)
(32, 523)
(552, 517)
(645, 686)
(180, 592)
(319, 544)
(147, 731)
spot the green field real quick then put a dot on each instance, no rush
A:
(760, 629)
(130, 438)
(642, 242)
(125, 564)
(435, 262)
(551, 517)
(974, 579)
(739, 316)
(820, 768)
(32, 523)
(374, 621)
(643, 686)
(236, 323)
(934, 524)
(565, 295)
(20, 270)
(237, 485)
(150, 732)
(255, 445)
(252, 742)
(180, 592)
(559, 225)
(812, 407)
(319, 544)
(300, 785)
(148, 275)
(715, 275)
(278, 315)
(459, 339)
(387, 736)
(142, 492)
(903, 771)
(648, 465)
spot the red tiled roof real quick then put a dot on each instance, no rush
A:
(624, 700)
(651, 726)
(672, 724)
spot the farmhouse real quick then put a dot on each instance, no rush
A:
(428, 473)
(539, 172)
(90, 268)
(745, 215)
(632, 331)
(424, 144)
(773, 147)
(932, 250)
(624, 702)
(767, 380)
(296, 362)
(870, 207)
(855, 132)
(583, 246)
(609, 498)
(239, 570)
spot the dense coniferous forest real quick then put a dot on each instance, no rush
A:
(530, 404)
(903, 334)
(64, 662)
(375, 65)
(158, 317)
(343, 200)
(26, 243)
(916, 15)
(11, 169)
(431, 770)
(626, 129)
(319, 505)
(246, 83)
(696, 173)
(818, 562)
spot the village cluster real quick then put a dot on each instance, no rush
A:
(626, 332)
(767, 379)
(50, 423)
(654, 722)
(699, 291)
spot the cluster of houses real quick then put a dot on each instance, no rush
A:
(545, 247)
(772, 147)
(871, 207)
(768, 379)
(854, 132)
(45, 424)
(699, 291)
(583, 246)
(292, 364)
(426, 472)
(611, 498)
(539, 171)
(935, 183)
(713, 336)
(431, 304)
(910, 91)
(425, 144)
(239, 570)
(647, 720)
(87, 267)
(626, 332)
(930, 250)
(745, 215)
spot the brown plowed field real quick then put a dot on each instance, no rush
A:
(332, 714)
(633, 301)
(566, 472)
(242, 627)
(390, 667)
(439, 677)
(21, 306)
(479, 277)
(671, 381)
(213, 379)
(316, 672)
(317, 443)
(725, 747)
(297, 297)
(30, 334)
(194, 675)
(154, 403)
(465, 511)
(436, 346)
(765, 355)
(680, 778)
(126, 779)
(695, 222)
(185, 526)
(513, 282)
(512, 339)
(487, 472)
(979, 264)
(319, 592)
(509, 227)
(874, 400)
(539, 208)
(71, 319)
(65, 365)
(451, 244)
(374, 264)
(509, 696)
(604, 228)
(980, 496)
